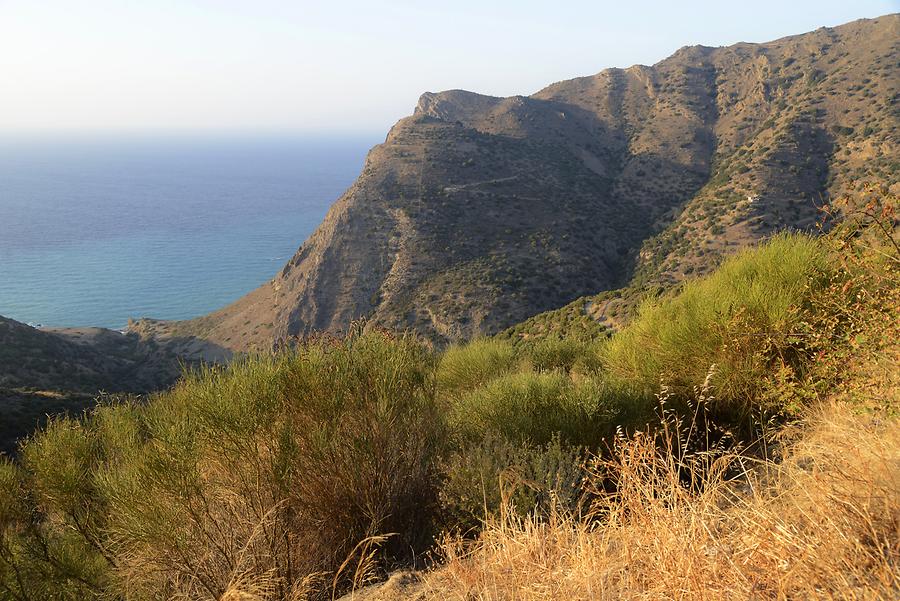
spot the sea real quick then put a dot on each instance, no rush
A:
(95, 230)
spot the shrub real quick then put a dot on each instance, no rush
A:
(52, 544)
(366, 433)
(535, 407)
(464, 368)
(494, 474)
(553, 353)
(742, 319)
(263, 473)
(589, 362)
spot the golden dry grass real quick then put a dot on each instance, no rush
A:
(823, 523)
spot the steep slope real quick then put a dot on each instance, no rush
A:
(820, 121)
(477, 212)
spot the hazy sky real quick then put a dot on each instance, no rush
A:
(263, 65)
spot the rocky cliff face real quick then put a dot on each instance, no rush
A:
(478, 212)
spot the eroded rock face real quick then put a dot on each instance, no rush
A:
(478, 212)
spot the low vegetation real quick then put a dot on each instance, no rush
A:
(737, 440)
(743, 319)
(819, 524)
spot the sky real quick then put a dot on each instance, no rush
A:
(338, 66)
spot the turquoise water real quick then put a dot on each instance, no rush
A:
(94, 231)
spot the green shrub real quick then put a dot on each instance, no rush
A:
(271, 469)
(466, 367)
(535, 407)
(365, 431)
(64, 555)
(741, 319)
(494, 474)
(589, 362)
(553, 353)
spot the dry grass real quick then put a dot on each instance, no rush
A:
(822, 523)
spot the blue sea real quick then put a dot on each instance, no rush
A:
(94, 231)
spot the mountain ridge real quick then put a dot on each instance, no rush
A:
(478, 212)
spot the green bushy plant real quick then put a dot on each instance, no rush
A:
(742, 319)
(465, 367)
(854, 320)
(364, 418)
(52, 543)
(495, 474)
(261, 473)
(558, 354)
(535, 407)
(589, 363)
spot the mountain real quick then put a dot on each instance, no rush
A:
(478, 212)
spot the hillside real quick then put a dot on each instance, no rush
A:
(738, 439)
(55, 371)
(691, 387)
(478, 212)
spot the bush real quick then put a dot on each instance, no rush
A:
(365, 433)
(61, 554)
(556, 354)
(742, 319)
(464, 368)
(262, 473)
(589, 363)
(494, 474)
(536, 407)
